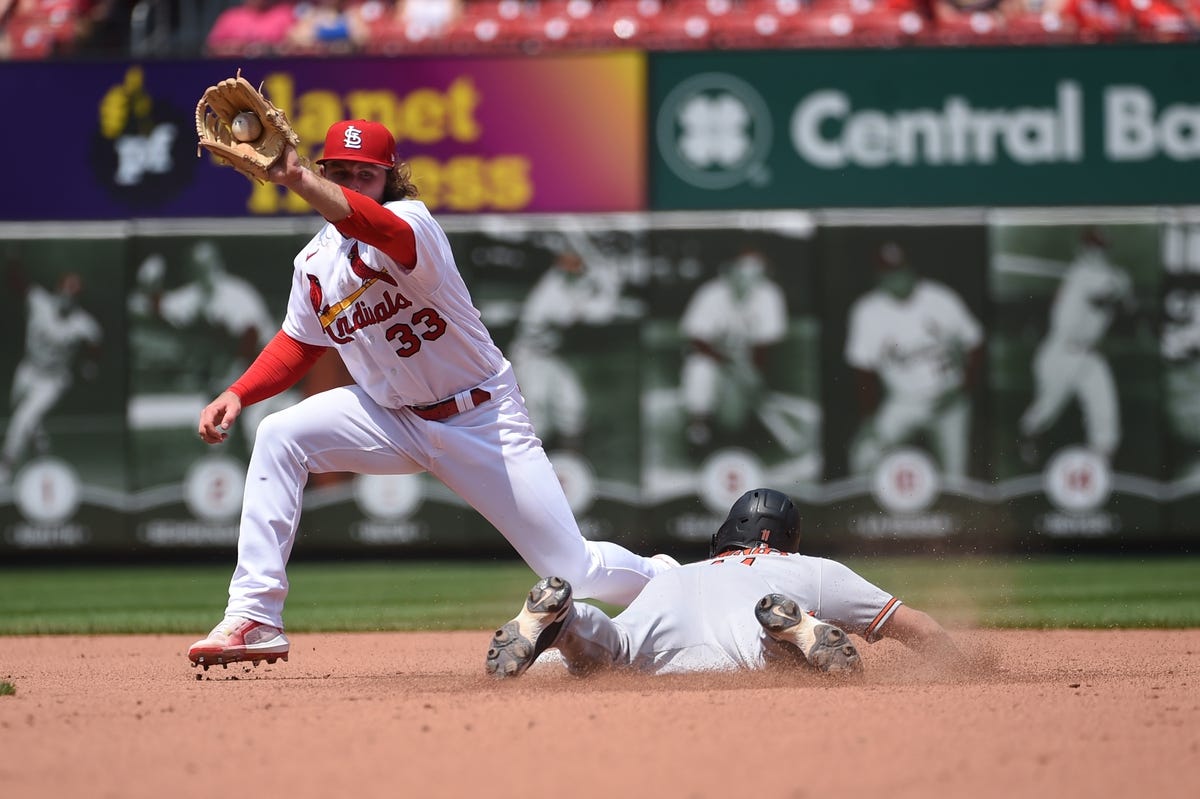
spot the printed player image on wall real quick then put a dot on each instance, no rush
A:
(1076, 375)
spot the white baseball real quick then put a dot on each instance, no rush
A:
(246, 127)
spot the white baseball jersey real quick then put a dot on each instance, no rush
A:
(914, 344)
(409, 337)
(52, 336)
(700, 617)
(560, 300)
(556, 396)
(1087, 299)
(380, 316)
(734, 324)
(230, 303)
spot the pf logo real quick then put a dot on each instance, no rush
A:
(352, 139)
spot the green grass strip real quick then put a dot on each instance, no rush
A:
(1047, 592)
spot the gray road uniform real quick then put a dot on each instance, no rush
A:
(700, 617)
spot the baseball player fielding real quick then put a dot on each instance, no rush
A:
(432, 393)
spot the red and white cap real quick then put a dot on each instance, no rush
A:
(360, 140)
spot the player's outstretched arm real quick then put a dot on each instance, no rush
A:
(218, 417)
(920, 632)
(323, 195)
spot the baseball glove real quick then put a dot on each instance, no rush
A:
(215, 113)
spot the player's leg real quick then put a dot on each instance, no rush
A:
(537, 385)
(865, 450)
(591, 641)
(699, 383)
(1054, 373)
(662, 621)
(490, 457)
(546, 612)
(340, 430)
(337, 430)
(795, 422)
(570, 404)
(36, 397)
(826, 647)
(894, 422)
(1101, 409)
(951, 430)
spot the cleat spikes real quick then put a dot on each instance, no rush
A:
(240, 640)
(825, 646)
(518, 643)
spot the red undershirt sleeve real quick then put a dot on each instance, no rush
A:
(276, 369)
(373, 224)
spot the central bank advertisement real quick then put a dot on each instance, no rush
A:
(925, 127)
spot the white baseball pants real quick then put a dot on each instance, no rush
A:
(489, 456)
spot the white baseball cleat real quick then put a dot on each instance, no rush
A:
(237, 640)
(823, 645)
(517, 644)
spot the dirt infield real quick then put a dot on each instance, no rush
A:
(1046, 714)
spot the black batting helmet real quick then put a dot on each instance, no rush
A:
(761, 516)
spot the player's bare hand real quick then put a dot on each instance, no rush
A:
(218, 417)
(288, 170)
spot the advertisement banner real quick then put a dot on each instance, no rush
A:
(929, 127)
(488, 134)
(1179, 346)
(1075, 372)
(562, 299)
(905, 320)
(729, 370)
(1009, 381)
(200, 308)
(63, 475)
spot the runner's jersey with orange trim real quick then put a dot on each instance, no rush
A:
(701, 615)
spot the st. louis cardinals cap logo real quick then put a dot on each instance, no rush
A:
(352, 139)
(360, 140)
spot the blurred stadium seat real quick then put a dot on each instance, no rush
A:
(28, 39)
(38, 29)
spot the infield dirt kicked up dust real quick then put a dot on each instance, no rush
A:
(1040, 714)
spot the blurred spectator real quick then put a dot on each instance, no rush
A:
(254, 27)
(1159, 20)
(1037, 22)
(425, 19)
(333, 25)
(36, 29)
(958, 20)
(42, 28)
(1097, 20)
(107, 28)
(1011, 21)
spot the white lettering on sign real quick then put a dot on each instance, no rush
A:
(828, 132)
(1135, 131)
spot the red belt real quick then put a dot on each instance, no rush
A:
(447, 408)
